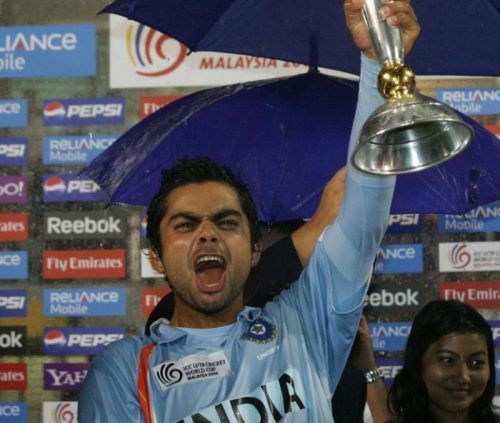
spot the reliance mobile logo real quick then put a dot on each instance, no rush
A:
(152, 53)
(13, 412)
(79, 341)
(482, 219)
(84, 302)
(74, 149)
(399, 258)
(84, 111)
(47, 51)
(13, 265)
(13, 302)
(459, 257)
(69, 187)
(390, 336)
(472, 101)
(13, 151)
(60, 411)
(13, 113)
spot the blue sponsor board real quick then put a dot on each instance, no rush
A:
(74, 149)
(390, 336)
(472, 101)
(13, 303)
(483, 219)
(13, 151)
(405, 223)
(79, 341)
(495, 329)
(390, 367)
(70, 187)
(399, 258)
(85, 302)
(13, 412)
(84, 111)
(47, 51)
(497, 367)
(13, 265)
(13, 113)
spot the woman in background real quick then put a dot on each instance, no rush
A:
(449, 369)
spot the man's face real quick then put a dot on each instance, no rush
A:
(207, 252)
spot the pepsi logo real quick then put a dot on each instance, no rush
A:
(54, 183)
(54, 337)
(54, 109)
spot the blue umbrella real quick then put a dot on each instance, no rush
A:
(285, 138)
(459, 37)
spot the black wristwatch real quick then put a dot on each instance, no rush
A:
(373, 375)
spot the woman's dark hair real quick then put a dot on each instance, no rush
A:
(408, 398)
(193, 171)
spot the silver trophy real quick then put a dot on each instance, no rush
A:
(409, 132)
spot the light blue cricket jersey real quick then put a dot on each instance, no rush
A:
(280, 363)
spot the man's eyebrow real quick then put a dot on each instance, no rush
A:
(221, 214)
(225, 213)
(444, 350)
(185, 215)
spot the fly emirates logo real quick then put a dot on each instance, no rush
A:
(107, 264)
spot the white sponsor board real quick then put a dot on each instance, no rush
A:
(60, 411)
(469, 256)
(143, 57)
(147, 270)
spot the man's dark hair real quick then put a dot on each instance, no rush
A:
(193, 171)
(408, 397)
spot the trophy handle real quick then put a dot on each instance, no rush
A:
(386, 40)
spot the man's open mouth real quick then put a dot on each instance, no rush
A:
(210, 270)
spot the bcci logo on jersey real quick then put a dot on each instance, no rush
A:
(260, 331)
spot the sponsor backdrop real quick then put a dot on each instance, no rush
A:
(74, 275)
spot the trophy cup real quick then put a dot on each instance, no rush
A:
(409, 132)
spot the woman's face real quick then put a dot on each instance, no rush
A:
(455, 371)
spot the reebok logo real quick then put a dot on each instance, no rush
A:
(386, 298)
(84, 226)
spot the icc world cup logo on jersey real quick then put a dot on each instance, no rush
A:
(168, 374)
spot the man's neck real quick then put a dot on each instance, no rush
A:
(188, 317)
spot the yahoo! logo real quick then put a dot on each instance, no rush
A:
(153, 53)
(459, 256)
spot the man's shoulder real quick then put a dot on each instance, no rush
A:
(124, 350)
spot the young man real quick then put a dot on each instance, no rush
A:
(216, 361)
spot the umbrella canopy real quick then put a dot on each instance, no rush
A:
(459, 37)
(285, 138)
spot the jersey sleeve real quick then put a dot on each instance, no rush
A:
(330, 292)
(110, 385)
